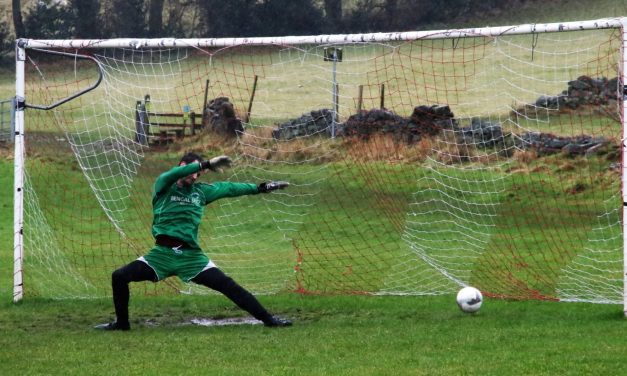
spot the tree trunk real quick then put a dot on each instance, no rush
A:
(86, 12)
(333, 10)
(391, 8)
(155, 18)
(17, 19)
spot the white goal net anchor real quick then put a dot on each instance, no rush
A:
(486, 156)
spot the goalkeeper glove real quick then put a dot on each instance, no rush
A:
(216, 163)
(271, 186)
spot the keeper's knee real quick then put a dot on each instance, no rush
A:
(120, 276)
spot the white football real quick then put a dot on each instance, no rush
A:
(469, 299)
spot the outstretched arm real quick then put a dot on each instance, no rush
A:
(221, 189)
(217, 190)
(170, 177)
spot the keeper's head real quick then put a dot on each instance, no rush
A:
(190, 158)
(187, 159)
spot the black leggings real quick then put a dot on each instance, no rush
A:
(213, 278)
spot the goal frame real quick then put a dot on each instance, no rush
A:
(23, 45)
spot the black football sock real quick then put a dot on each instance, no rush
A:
(215, 279)
(136, 271)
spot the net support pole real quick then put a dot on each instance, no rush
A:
(18, 176)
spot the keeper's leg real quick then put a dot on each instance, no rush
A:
(215, 279)
(135, 271)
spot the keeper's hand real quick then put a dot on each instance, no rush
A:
(216, 163)
(271, 186)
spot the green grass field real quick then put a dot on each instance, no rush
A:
(331, 336)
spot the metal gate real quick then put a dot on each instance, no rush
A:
(7, 120)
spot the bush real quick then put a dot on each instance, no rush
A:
(6, 39)
(48, 19)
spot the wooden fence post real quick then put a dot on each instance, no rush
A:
(382, 104)
(360, 98)
(250, 103)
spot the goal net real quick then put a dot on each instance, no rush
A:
(418, 162)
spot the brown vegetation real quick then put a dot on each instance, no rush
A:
(384, 147)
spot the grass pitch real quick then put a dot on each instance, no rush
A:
(332, 335)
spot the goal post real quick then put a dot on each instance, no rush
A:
(18, 176)
(420, 162)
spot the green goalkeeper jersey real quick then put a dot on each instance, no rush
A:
(177, 211)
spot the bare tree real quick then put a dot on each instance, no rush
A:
(333, 10)
(18, 24)
(232, 18)
(182, 18)
(391, 8)
(86, 16)
(128, 19)
(155, 18)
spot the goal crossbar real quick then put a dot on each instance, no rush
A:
(607, 23)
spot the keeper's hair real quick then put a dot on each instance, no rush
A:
(190, 158)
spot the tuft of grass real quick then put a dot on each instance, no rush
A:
(259, 144)
(525, 157)
(384, 147)
(449, 151)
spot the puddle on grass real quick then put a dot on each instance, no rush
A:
(226, 321)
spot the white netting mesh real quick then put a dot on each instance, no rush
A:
(492, 163)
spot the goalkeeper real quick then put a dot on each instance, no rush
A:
(178, 203)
